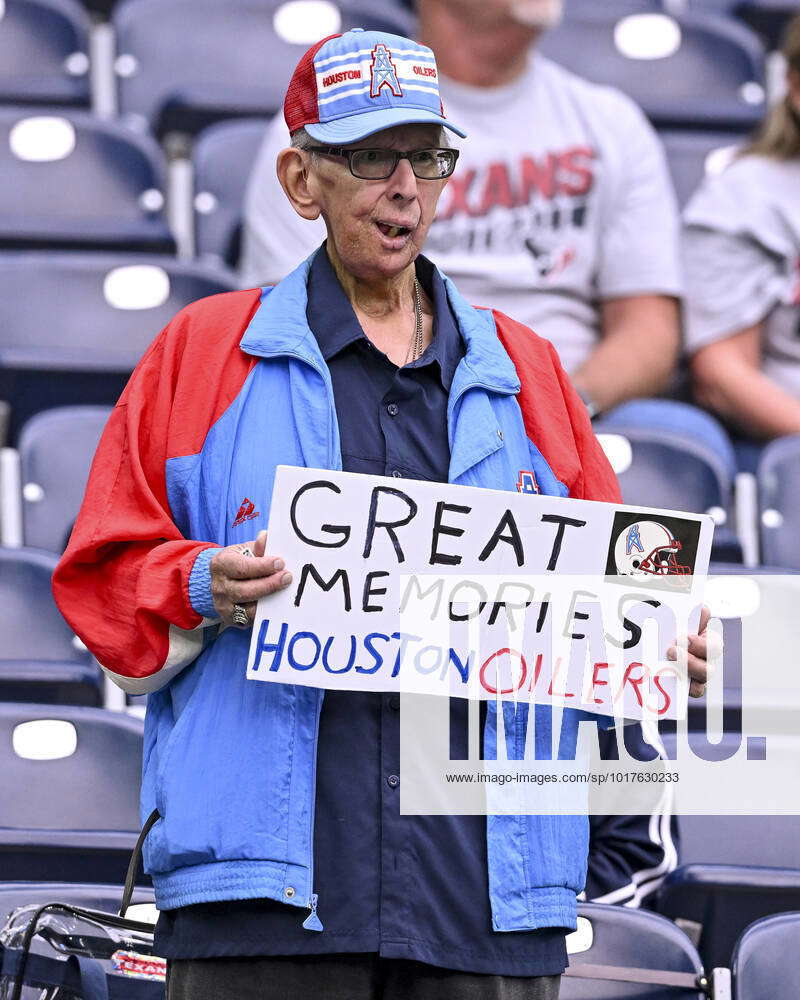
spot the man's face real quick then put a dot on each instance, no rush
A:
(378, 227)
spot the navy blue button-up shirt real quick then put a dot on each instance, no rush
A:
(404, 886)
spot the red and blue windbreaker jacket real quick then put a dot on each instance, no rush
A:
(233, 387)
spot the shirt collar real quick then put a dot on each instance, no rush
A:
(334, 324)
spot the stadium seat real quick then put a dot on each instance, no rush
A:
(110, 308)
(56, 448)
(93, 897)
(695, 70)
(766, 962)
(692, 155)
(184, 64)
(740, 840)
(223, 157)
(670, 469)
(40, 659)
(70, 180)
(44, 53)
(779, 488)
(69, 785)
(714, 903)
(636, 939)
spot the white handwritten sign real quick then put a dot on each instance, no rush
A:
(403, 585)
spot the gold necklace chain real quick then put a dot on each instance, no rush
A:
(416, 338)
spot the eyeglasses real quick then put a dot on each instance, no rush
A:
(378, 164)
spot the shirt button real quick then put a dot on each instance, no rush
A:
(289, 891)
(393, 702)
(392, 781)
(392, 409)
(397, 474)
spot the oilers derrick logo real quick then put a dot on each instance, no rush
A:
(383, 72)
(632, 540)
(527, 482)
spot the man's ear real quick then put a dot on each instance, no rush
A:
(293, 167)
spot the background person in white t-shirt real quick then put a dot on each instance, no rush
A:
(563, 213)
(742, 252)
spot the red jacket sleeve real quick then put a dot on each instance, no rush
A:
(555, 417)
(123, 581)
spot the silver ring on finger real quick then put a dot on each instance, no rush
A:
(239, 616)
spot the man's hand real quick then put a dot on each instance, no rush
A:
(701, 653)
(237, 578)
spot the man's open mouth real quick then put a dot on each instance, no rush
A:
(392, 230)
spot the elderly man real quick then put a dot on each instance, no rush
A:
(281, 863)
(562, 213)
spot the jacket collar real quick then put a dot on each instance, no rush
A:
(280, 328)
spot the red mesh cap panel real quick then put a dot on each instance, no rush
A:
(300, 107)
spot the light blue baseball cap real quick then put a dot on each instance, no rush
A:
(349, 86)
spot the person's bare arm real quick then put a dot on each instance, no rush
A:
(637, 352)
(728, 379)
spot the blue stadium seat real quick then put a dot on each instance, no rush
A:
(740, 840)
(696, 70)
(69, 785)
(779, 488)
(56, 449)
(670, 470)
(40, 659)
(94, 897)
(44, 53)
(70, 180)
(223, 157)
(766, 962)
(715, 903)
(673, 470)
(110, 308)
(690, 156)
(184, 64)
(618, 936)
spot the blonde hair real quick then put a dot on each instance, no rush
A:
(779, 134)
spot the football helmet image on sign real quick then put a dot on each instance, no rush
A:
(647, 548)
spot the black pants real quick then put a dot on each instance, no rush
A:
(343, 977)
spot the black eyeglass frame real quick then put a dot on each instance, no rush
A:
(398, 156)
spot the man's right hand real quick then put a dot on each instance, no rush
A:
(242, 579)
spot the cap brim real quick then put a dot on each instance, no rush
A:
(356, 127)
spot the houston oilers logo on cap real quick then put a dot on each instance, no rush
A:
(349, 86)
(383, 73)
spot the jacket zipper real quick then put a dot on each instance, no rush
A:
(312, 921)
